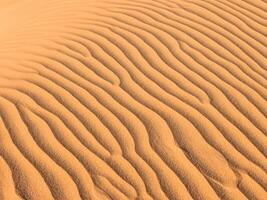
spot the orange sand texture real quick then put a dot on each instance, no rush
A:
(133, 99)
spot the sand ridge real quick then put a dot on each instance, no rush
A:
(133, 99)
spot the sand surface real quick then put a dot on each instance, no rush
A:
(133, 99)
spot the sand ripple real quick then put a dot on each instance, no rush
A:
(133, 99)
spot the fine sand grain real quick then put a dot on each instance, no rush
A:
(133, 99)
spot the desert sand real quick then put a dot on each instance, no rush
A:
(133, 99)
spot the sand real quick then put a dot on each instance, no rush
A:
(133, 99)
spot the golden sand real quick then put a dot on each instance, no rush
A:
(133, 99)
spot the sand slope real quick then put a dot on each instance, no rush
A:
(133, 99)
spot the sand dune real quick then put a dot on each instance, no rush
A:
(133, 99)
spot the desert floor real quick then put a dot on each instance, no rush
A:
(133, 99)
